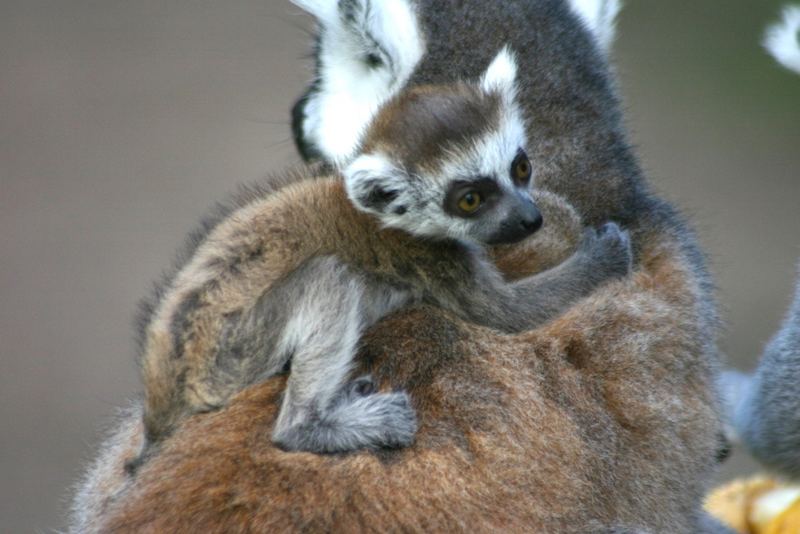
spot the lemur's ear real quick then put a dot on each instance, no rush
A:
(380, 34)
(366, 51)
(782, 40)
(322, 10)
(599, 17)
(501, 75)
(374, 185)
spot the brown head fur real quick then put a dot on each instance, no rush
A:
(418, 127)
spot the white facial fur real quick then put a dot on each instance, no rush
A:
(599, 17)
(783, 39)
(350, 89)
(416, 203)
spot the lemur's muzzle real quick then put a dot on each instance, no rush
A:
(523, 220)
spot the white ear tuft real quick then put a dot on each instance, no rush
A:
(373, 184)
(783, 39)
(502, 73)
(322, 10)
(599, 16)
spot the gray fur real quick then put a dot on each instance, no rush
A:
(317, 315)
(706, 525)
(710, 525)
(329, 307)
(766, 407)
(332, 303)
(314, 316)
(104, 481)
(577, 141)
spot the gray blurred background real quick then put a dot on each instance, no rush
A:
(121, 121)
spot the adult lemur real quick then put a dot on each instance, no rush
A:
(293, 278)
(605, 416)
(765, 408)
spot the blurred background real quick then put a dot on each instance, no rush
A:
(120, 122)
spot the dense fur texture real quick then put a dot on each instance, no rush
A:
(576, 140)
(598, 419)
(765, 407)
(292, 279)
(604, 418)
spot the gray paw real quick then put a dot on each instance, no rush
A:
(609, 250)
(376, 420)
(359, 419)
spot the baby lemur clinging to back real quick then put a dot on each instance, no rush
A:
(294, 277)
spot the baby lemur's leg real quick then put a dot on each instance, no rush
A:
(321, 412)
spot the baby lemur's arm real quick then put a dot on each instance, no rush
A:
(603, 255)
(322, 413)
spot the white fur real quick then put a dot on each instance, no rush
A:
(376, 169)
(323, 10)
(322, 336)
(351, 91)
(489, 156)
(599, 17)
(501, 75)
(782, 40)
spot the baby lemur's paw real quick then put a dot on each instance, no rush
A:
(608, 249)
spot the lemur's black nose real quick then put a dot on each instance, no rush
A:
(533, 224)
(531, 219)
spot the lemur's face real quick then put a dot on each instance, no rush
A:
(450, 162)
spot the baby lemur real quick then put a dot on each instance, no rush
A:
(293, 278)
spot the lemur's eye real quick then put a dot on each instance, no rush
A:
(373, 60)
(470, 202)
(521, 169)
(471, 198)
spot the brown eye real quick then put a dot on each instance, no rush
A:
(521, 169)
(470, 202)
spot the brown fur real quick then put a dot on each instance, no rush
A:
(251, 250)
(240, 260)
(460, 113)
(602, 417)
(212, 332)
